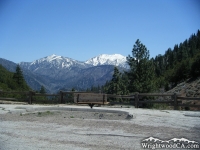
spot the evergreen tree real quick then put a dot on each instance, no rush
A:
(159, 65)
(175, 52)
(142, 72)
(181, 72)
(114, 87)
(105, 87)
(117, 85)
(18, 76)
(125, 83)
(42, 90)
(19, 79)
(195, 68)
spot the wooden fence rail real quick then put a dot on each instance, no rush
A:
(135, 99)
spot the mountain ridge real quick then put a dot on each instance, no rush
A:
(103, 59)
(56, 72)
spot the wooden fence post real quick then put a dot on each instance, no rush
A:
(175, 102)
(77, 98)
(30, 100)
(61, 97)
(136, 100)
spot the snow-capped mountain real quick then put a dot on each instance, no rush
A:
(53, 61)
(56, 67)
(105, 59)
(57, 72)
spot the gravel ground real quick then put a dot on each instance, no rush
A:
(36, 127)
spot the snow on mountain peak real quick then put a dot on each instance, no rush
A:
(53, 57)
(60, 62)
(106, 59)
(55, 61)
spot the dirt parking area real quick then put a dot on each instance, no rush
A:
(36, 127)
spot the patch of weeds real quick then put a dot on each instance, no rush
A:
(51, 113)
(39, 114)
(159, 106)
(71, 116)
(46, 113)
(164, 111)
(3, 108)
(96, 114)
(20, 114)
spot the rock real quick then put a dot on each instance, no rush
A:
(100, 116)
(129, 116)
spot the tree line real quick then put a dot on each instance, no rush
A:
(147, 74)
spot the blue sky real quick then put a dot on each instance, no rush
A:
(82, 29)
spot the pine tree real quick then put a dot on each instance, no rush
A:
(159, 65)
(18, 76)
(19, 79)
(42, 90)
(195, 68)
(116, 85)
(142, 72)
(125, 83)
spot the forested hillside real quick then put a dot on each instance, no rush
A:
(180, 63)
(164, 71)
(12, 81)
